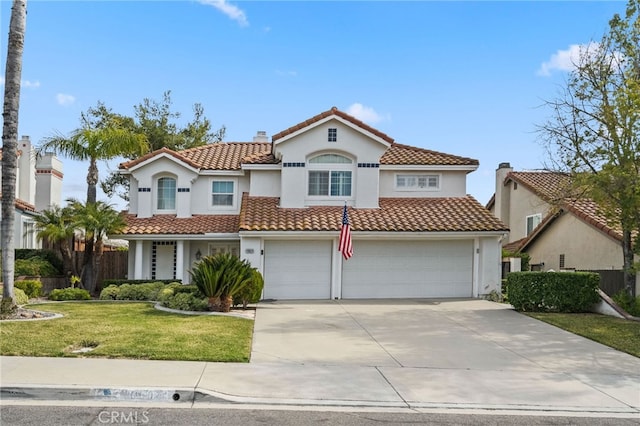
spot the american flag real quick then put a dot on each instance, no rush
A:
(344, 245)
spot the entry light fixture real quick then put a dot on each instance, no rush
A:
(198, 254)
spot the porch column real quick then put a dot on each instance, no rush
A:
(137, 268)
(180, 260)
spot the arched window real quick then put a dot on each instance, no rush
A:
(166, 195)
(330, 175)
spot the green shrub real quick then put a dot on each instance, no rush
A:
(553, 291)
(185, 302)
(35, 266)
(251, 293)
(627, 302)
(221, 277)
(110, 293)
(32, 288)
(20, 297)
(146, 291)
(189, 288)
(165, 294)
(69, 294)
(44, 254)
(524, 258)
(107, 283)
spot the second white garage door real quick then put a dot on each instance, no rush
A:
(395, 269)
(297, 269)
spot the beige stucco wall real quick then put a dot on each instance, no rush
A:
(584, 247)
(522, 203)
(264, 183)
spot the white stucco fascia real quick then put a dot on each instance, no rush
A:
(427, 168)
(172, 237)
(159, 156)
(222, 173)
(262, 166)
(372, 235)
(330, 118)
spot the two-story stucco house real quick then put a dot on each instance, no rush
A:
(38, 187)
(558, 231)
(415, 231)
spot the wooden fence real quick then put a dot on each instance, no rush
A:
(114, 265)
(611, 281)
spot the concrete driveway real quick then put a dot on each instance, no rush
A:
(458, 334)
(435, 353)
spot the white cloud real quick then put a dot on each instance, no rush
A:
(25, 83)
(232, 11)
(366, 114)
(31, 84)
(566, 60)
(64, 99)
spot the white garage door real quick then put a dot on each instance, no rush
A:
(297, 269)
(387, 269)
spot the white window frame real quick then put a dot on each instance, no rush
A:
(28, 234)
(217, 248)
(156, 195)
(417, 177)
(233, 194)
(533, 218)
(329, 168)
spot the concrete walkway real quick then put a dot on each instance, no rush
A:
(401, 355)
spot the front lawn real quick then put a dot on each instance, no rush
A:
(620, 334)
(128, 330)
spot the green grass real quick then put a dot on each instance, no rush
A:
(620, 334)
(128, 330)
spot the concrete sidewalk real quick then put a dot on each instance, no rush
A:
(487, 358)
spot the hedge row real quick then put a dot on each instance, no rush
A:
(553, 291)
(107, 283)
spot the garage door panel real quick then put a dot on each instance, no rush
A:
(396, 269)
(297, 270)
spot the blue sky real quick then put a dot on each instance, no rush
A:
(465, 78)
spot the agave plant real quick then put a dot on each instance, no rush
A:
(222, 276)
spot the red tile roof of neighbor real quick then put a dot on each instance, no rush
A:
(555, 188)
(458, 214)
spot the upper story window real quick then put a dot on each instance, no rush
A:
(330, 175)
(222, 193)
(166, 195)
(332, 135)
(533, 221)
(417, 182)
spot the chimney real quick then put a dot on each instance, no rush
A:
(261, 136)
(502, 195)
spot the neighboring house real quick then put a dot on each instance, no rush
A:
(38, 187)
(279, 205)
(558, 232)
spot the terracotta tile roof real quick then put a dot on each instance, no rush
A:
(23, 205)
(260, 158)
(323, 115)
(555, 188)
(216, 156)
(394, 215)
(588, 211)
(550, 186)
(170, 224)
(399, 154)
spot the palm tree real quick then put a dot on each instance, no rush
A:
(98, 220)
(103, 135)
(13, 75)
(56, 225)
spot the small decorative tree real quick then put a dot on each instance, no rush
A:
(222, 276)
